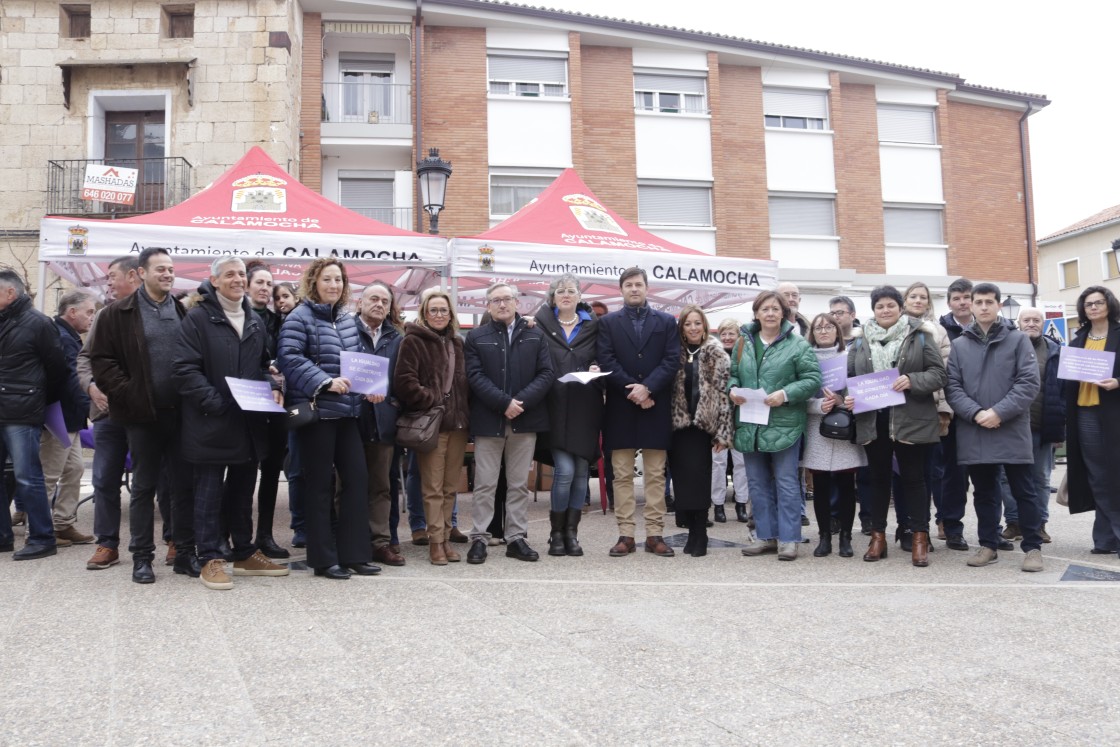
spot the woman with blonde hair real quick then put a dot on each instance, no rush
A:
(309, 354)
(431, 370)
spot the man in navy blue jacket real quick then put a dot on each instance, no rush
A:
(510, 372)
(62, 465)
(641, 349)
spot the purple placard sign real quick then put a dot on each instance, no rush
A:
(873, 391)
(1079, 364)
(253, 396)
(56, 424)
(368, 374)
(834, 374)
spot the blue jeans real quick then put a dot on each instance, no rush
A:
(987, 499)
(569, 481)
(1043, 465)
(110, 449)
(414, 500)
(21, 443)
(775, 493)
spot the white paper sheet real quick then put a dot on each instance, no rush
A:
(583, 377)
(754, 410)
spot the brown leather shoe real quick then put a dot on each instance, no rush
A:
(420, 537)
(436, 555)
(396, 549)
(171, 553)
(623, 547)
(877, 548)
(451, 555)
(940, 530)
(458, 537)
(103, 557)
(71, 533)
(657, 546)
(385, 556)
(919, 554)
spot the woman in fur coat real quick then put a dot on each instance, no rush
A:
(701, 423)
(832, 462)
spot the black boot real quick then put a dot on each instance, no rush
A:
(741, 512)
(846, 543)
(700, 546)
(905, 538)
(687, 520)
(571, 532)
(824, 547)
(556, 538)
(721, 514)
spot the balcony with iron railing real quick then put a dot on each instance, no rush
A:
(378, 110)
(400, 217)
(161, 183)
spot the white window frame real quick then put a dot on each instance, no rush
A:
(1109, 256)
(658, 99)
(939, 209)
(382, 177)
(817, 196)
(548, 175)
(1062, 274)
(930, 110)
(662, 184)
(527, 87)
(778, 119)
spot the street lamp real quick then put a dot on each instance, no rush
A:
(1010, 309)
(433, 173)
(1116, 252)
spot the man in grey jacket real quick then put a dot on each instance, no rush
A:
(993, 379)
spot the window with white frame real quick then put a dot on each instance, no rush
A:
(511, 191)
(802, 215)
(1110, 265)
(674, 204)
(1069, 273)
(913, 225)
(795, 109)
(670, 93)
(907, 124)
(371, 197)
(528, 75)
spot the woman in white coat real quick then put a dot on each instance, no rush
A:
(832, 462)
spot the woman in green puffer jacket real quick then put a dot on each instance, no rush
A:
(771, 357)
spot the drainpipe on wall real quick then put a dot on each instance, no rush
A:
(419, 125)
(1027, 202)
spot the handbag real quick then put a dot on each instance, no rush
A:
(839, 424)
(305, 413)
(419, 431)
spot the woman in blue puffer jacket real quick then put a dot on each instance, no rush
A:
(309, 355)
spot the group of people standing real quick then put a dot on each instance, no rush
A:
(980, 401)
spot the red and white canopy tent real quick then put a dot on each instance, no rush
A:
(567, 229)
(255, 210)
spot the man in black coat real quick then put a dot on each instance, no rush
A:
(378, 326)
(62, 465)
(641, 349)
(510, 373)
(131, 358)
(221, 337)
(33, 374)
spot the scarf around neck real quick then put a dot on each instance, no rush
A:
(885, 343)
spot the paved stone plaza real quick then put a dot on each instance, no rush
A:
(721, 650)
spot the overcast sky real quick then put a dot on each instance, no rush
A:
(1068, 52)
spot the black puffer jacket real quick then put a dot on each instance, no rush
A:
(32, 367)
(215, 430)
(575, 411)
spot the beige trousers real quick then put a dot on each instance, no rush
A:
(622, 460)
(440, 470)
(62, 468)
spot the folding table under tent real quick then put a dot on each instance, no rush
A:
(567, 229)
(254, 210)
